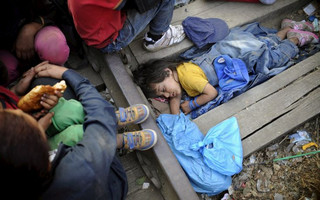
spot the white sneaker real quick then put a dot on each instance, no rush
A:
(174, 35)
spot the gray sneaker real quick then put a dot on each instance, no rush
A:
(174, 35)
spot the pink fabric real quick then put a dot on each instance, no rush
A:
(11, 63)
(51, 45)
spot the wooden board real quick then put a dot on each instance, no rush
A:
(242, 13)
(273, 108)
(257, 93)
(134, 173)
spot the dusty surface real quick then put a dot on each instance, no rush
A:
(293, 178)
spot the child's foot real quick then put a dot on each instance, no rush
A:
(304, 37)
(174, 35)
(132, 115)
(304, 26)
(139, 140)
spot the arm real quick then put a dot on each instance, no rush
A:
(175, 105)
(21, 88)
(209, 93)
(100, 126)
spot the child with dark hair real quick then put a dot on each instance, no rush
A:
(90, 166)
(68, 118)
(218, 74)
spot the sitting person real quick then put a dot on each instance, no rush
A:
(200, 78)
(116, 23)
(68, 118)
(87, 170)
(23, 28)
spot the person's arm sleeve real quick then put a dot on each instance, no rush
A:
(100, 125)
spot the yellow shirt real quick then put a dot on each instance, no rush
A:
(192, 78)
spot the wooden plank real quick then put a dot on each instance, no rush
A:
(308, 108)
(253, 95)
(242, 13)
(274, 106)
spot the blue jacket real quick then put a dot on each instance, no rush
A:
(90, 169)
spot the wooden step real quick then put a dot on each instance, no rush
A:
(273, 108)
(233, 13)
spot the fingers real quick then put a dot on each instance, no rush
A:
(49, 101)
(42, 63)
(46, 120)
(49, 70)
(48, 116)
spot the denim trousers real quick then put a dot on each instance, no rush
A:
(158, 18)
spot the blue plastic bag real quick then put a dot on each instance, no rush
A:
(221, 148)
(181, 133)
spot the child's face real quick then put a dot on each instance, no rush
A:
(169, 87)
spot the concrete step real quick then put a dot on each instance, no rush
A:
(233, 13)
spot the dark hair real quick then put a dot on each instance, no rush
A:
(152, 72)
(4, 76)
(24, 160)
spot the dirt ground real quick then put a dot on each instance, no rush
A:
(293, 178)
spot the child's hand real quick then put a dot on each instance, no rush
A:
(45, 69)
(49, 101)
(185, 107)
(45, 121)
(24, 83)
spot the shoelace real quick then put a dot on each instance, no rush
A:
(134, 140)
(128, 115)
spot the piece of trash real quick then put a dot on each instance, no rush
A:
(311, 8)
(225, 196)
(230, 190)
(297, 147)
(295, 156)
(262, 185)
(252, 159)
(304, 147)
(278, 196)
(299, 136)
(145, 185)
(141, 180)
(315, 24)
(273, 147)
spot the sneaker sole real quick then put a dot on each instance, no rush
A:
(154, 140)
(147, 115)
(157, 49)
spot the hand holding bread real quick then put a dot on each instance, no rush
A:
(31, 101)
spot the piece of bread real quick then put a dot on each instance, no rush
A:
(31, 101)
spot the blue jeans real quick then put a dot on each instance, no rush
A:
(158, 19)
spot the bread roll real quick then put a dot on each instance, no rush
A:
(31, 101)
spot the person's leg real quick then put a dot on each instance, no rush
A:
(282, 34)
(134, 114)
(137, 140)
(303, 37)
(161, 21)
(158, 18)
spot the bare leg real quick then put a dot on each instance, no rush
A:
(295, 40)
(282, 34)
(119, 141)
